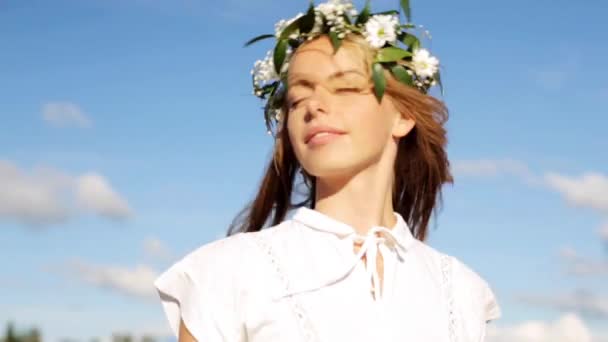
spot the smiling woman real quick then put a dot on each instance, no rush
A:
(354, 118)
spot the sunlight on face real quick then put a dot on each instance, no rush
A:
(336, 91)
(347, 82)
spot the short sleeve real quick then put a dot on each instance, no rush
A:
(490, 303)
(201, 289)
(475, 291)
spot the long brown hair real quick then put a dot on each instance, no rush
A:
(421, 165)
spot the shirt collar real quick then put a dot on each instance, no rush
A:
(317, 220)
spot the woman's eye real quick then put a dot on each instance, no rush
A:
(348, 90)
(294, 104)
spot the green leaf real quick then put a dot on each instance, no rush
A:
(346, 19)
(411, 41)
(401, 75)
(407, 26)
(308, 21)
(437, 78)
(258, 38)
(335, 41)
(364, 15)
(405, 5)
(291, 28)
(269, 88)
(280, 51)
(274, 101)
(379, 80)
(283, 82)
(267, 115)
(387, 12)
(391, 54)
(278, 96)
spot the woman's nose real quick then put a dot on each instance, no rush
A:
(318, 103)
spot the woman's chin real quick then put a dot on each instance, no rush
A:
(333, 169)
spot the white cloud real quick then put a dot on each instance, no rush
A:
(568, 253)
(48, 196)
(568, 328)
(603, 232)
(491, 168)
(574, 264)
(32, 198)
(589, 190)
(63, 114)
(581, 302)
(7, 282)
(94, 193)
(136, 282)
(155, 248)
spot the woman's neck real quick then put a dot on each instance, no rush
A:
(362, 201)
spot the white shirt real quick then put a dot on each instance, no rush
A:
(301, 281)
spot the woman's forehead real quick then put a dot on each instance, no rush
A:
(320, 62)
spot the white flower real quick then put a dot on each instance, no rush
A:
(282, 24)
(380, 29)
(333, 7)
(424, 64)
(318, 26)
(333, 11)
(263, 71)
(277, 114)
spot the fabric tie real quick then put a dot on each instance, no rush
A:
(369, 249)
(397, 238)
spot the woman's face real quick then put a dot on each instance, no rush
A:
(335, 91)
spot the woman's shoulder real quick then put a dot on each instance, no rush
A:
(215, 260)
(203, 288)
(227, 249)
(234, 251)
(467, 286)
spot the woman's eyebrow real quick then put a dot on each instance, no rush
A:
(301, 82)
(300, 78)
(343, 73)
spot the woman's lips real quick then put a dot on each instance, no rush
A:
(323, 138)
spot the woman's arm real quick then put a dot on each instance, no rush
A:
(184, 334)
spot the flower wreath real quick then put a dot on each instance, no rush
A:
(412, 65)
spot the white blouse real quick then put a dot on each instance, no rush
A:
(301, 281)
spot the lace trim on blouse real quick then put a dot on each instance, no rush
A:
(446, 270)
(303, 321)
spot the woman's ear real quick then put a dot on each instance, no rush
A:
(402, 125)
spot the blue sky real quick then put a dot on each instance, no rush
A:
(129, 136)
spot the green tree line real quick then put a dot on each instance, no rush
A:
(11, 334)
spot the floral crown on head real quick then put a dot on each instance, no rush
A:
(411, 65)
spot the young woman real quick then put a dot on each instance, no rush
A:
(351, 263)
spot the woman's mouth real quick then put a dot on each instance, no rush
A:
(323, 138)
